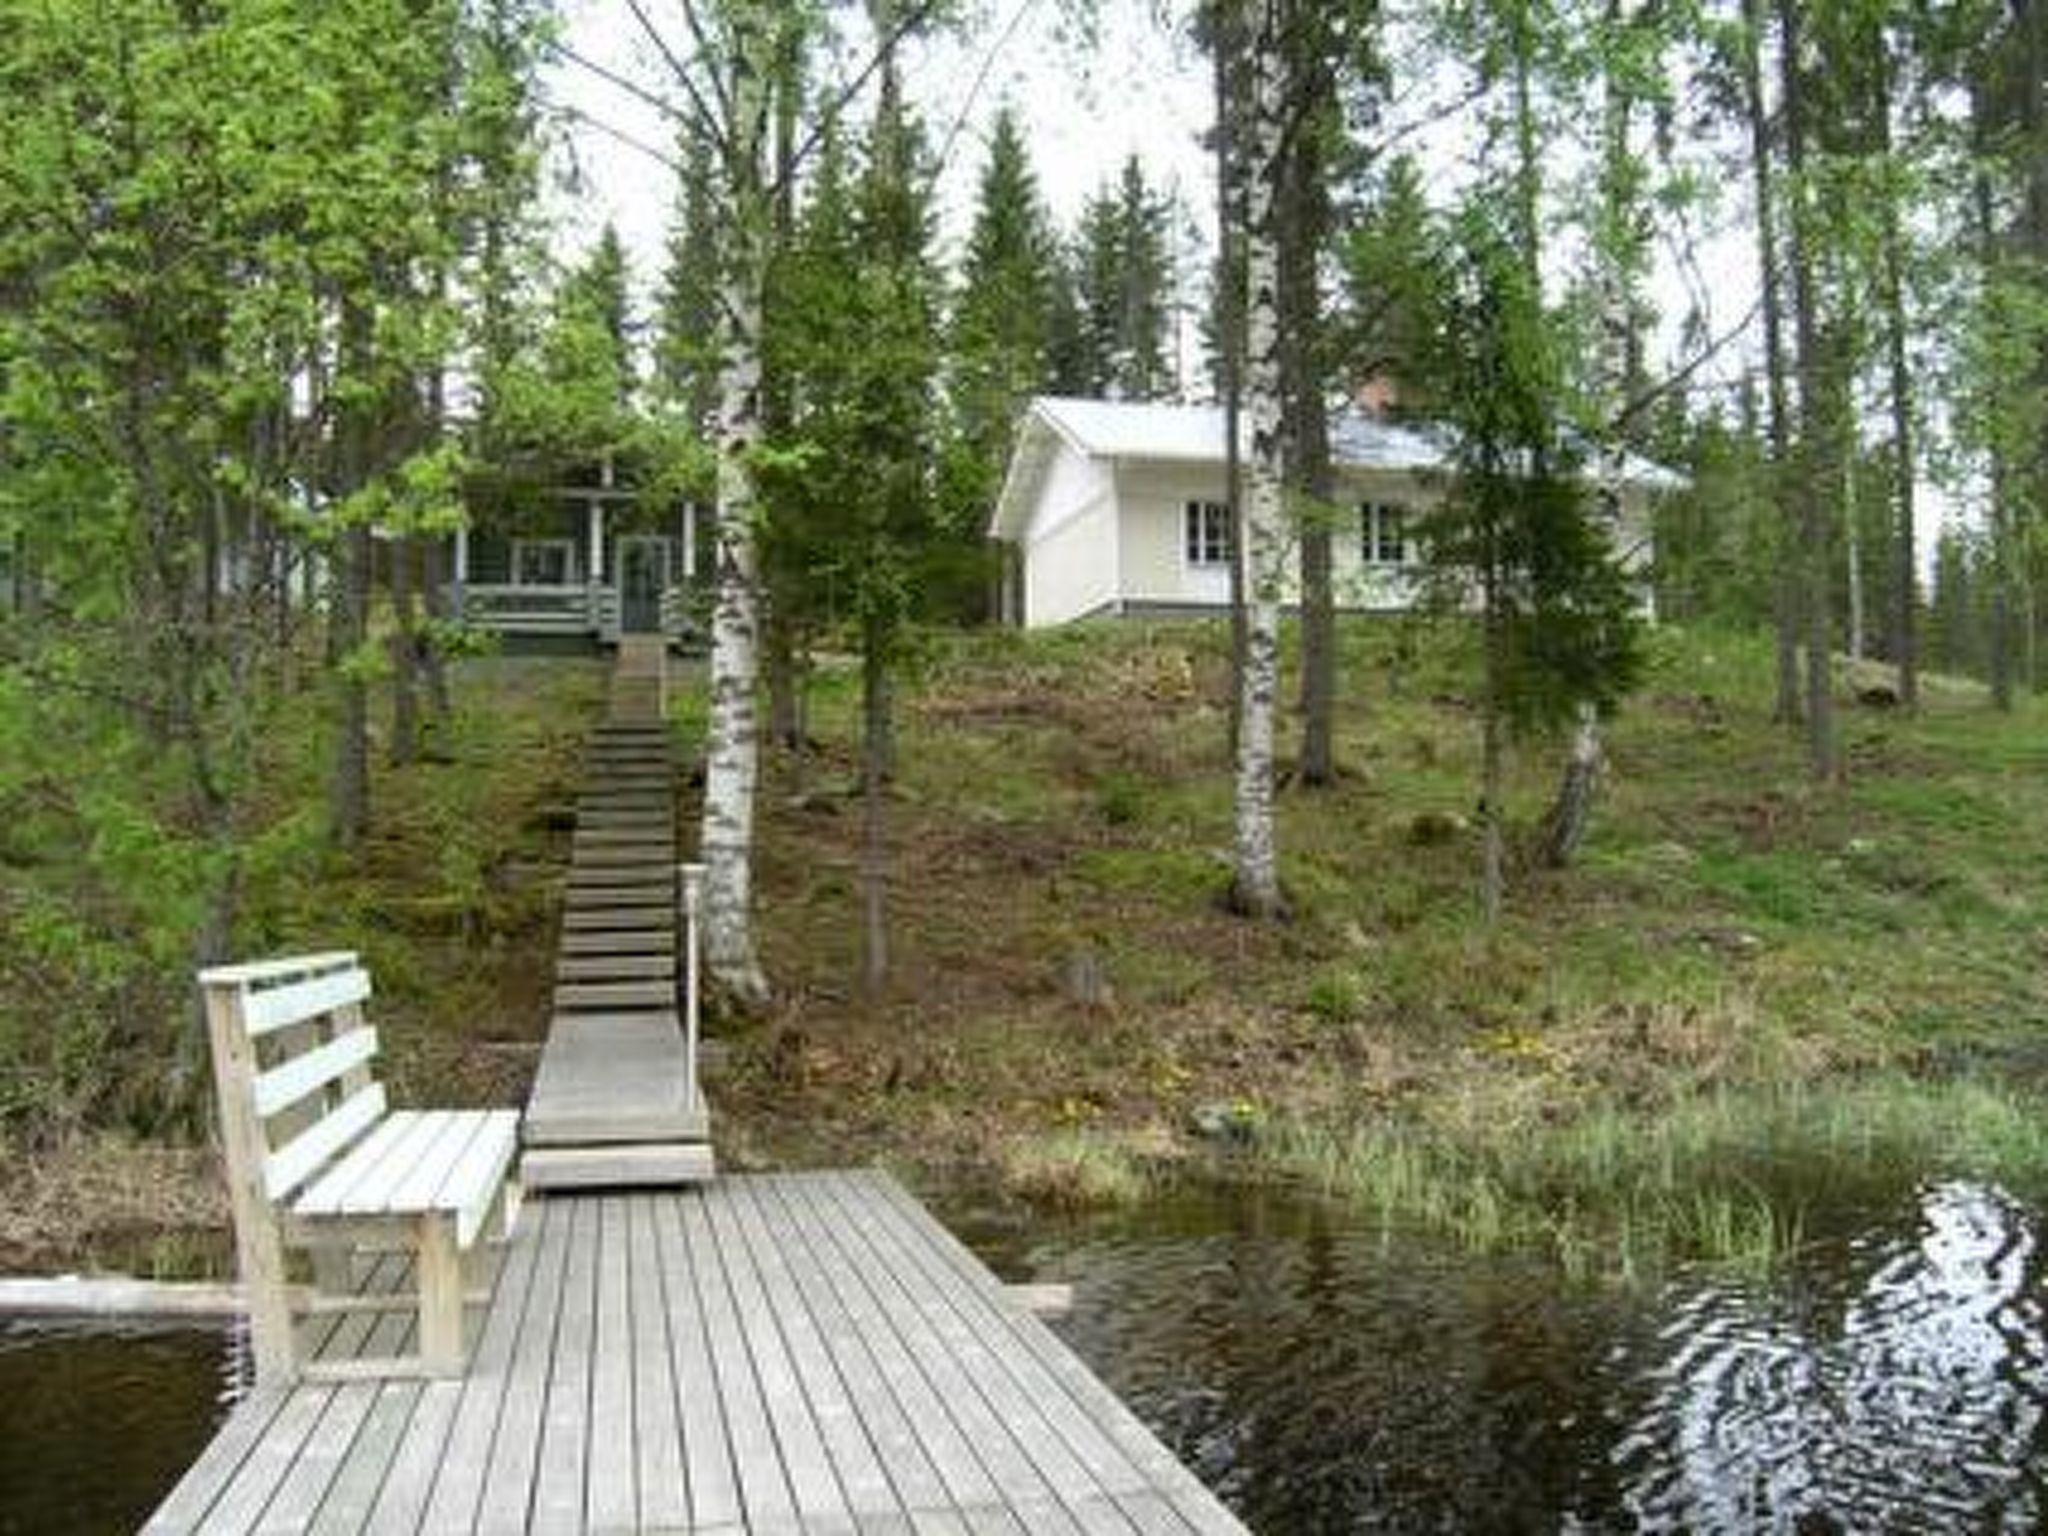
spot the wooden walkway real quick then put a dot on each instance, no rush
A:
(773, 1354)
(615, 1100)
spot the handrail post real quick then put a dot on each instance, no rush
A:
(693, 894)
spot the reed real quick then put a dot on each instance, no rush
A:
(1723, 1179)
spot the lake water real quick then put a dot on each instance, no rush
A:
(1327, 1376)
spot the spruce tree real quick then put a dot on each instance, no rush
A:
(1001, 331)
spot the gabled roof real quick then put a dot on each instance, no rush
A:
(1193, 434)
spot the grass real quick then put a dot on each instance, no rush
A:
(450, 901)
(1741, 957)
(1729, 1178)
(1752, 993)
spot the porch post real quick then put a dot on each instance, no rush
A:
(596, 564)
(461, 567)
(689, 541)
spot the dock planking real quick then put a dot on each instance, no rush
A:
(772, 1353)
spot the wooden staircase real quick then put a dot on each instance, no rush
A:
(616, 1101)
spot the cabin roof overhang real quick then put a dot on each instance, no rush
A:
(1181, 435)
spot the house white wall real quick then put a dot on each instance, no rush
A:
(1111, 535)
(1071, 546)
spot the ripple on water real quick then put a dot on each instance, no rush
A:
(1328, 1377)
(98, 1420)
(1899, 1388)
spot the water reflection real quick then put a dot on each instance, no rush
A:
(97, 1421)
(1327, 1377)
(1900, 1388)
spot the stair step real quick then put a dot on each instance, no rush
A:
(607, 918)
(619, 967)
(649, 943)
(614, 996)
(604, 853)
(658, 875)
(647, 841)
(658, 1166)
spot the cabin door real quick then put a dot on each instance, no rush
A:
(643, 572)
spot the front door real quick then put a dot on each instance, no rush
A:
(643, 573)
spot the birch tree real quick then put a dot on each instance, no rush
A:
(727, 82)
(1256, 887)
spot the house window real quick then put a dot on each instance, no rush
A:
(1207, 532)
(1383, 534)
(542, 562)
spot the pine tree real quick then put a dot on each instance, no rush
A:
(1000, 333)
(684, 365)
(1124, 284)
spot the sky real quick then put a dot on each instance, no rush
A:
(1135, 91)
(1087, 104)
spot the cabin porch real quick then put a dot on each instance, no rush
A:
(587, 568)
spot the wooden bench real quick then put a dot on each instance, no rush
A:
(317, 1162)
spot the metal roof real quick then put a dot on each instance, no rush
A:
(1193, 434)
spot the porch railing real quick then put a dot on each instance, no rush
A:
(551, 610)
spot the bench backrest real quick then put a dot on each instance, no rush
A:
(291, 1057)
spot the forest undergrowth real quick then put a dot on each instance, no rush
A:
(1746, 977)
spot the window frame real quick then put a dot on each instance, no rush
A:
(1205, 535)
(1374, 541)
(564, 548)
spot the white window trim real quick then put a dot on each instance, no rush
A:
(567, 549)
(1198, 553)
(1372, 534)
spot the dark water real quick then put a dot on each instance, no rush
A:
(1328, 1377)
(97, 1422)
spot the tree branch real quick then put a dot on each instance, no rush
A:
(685, 79)
(917, 16)
(694, 118)
(624, 138)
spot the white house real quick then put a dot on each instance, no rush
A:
(1113, 508)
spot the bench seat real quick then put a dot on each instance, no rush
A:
(418, 1163)
(318, 1163)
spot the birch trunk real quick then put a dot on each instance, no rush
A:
(1230, 338)
(1905, 637)
(1257, 887)
(1571, 813)
(733, 753)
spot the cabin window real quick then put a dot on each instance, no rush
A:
(1207, 532)
(543, 562)
(1383, 534)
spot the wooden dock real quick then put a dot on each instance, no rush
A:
(772, 1354)
(615, 1100)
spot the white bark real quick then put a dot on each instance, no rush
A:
(1257, 887)
(732, 758)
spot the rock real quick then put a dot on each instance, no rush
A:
(1084, 977)
(1878, 696)
(1429, 828)
(1234, 1122)
(1736, 942)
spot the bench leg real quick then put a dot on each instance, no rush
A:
(334, 1268)
(440, 1286)
(505, 1214)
